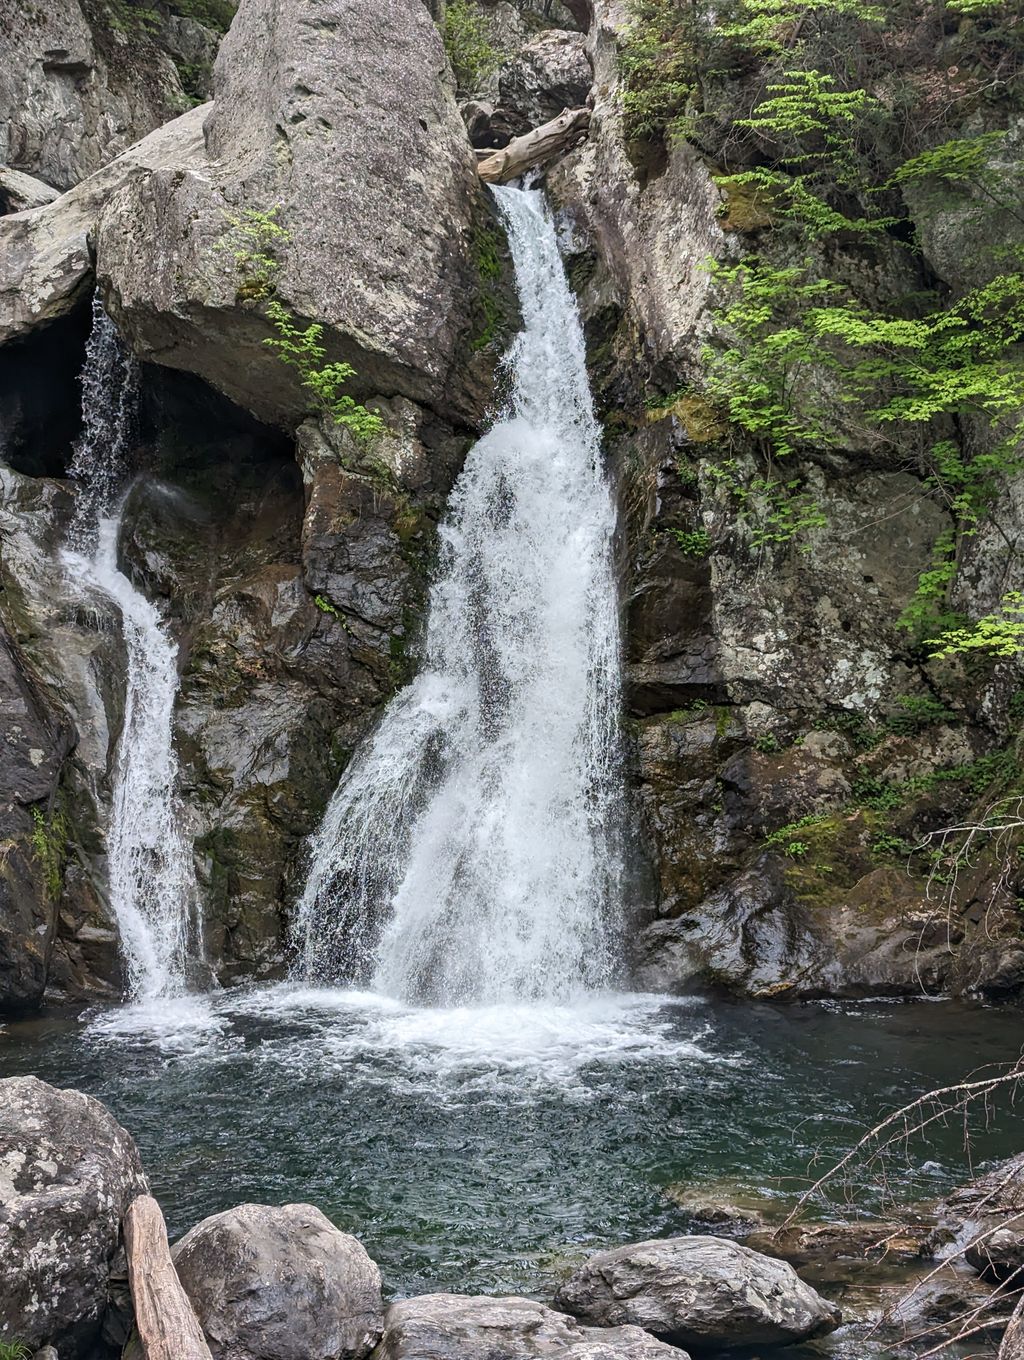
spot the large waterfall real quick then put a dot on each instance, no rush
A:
(151, 876)
(470, 852)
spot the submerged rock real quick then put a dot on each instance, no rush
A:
(477, 1327)
(280, 1284)
(705, 1292)
(68, 1172)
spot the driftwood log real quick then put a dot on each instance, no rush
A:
(534, 148)
(166, 1325)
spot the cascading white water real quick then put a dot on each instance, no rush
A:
(151, 875)
(470, 852)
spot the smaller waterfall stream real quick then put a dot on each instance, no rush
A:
(470, 854)
(151, 876)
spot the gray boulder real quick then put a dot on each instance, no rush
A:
(68, 1172)
(476, 1327)
(76, 88)
(46, 261)
(19, 191)
(549, 74)
(705, 1292)
(336, 114)
(280, 1284)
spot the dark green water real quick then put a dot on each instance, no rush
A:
(479, 1150)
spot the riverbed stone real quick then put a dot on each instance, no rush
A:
(280, 1283)
(705, 1292)
(478, 1327)
(68, 1172)
(986, 1217)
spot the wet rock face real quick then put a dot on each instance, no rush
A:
(280, 1284)
(343, 104)
(76, 91)
(706, 1292)
(35, 741)
(475, 1327)
(68, 1172)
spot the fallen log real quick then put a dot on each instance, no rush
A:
(534, 148)
(164, 1320)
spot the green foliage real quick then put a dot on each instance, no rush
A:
(1000, 634)
(49, 846)
(778, 511)
(469, 49)
(766, 744)
(214, 14)
(487, 257)
(916, 712)
(693, 543)
(252, 241)
(325, 606)
(757, 377)
(886, 846)
(14, 1350)
(302, 350)
(788, 839)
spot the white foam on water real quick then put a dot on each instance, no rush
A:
(471, 853)
(504, 1051)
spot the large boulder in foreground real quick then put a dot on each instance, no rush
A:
(705, 1292)
(336, 117)
(476, 1327)
(68, 1172)
(280, 1283)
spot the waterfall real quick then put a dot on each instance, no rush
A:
(470, 852)
(151, 876)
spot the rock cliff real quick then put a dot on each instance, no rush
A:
(792, 749)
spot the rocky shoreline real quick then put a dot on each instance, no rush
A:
(283, 1283)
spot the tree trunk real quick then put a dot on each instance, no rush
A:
(533, 148)
(166, 1325)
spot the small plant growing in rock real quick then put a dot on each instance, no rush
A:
(252, 241)
(692, 543)
(14, 1350)
(303, 351)
(48, 838)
